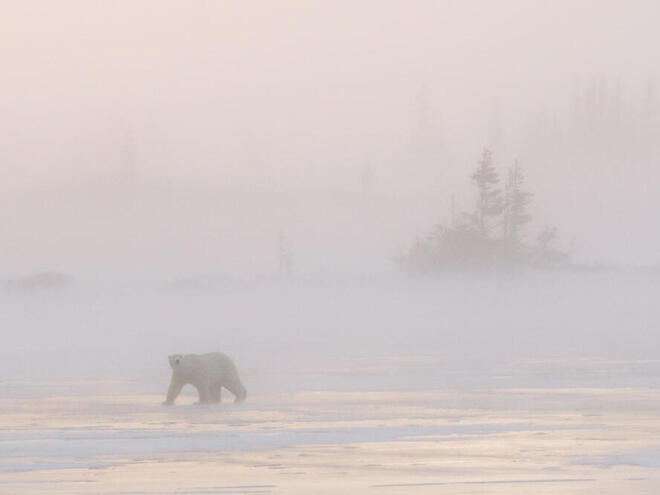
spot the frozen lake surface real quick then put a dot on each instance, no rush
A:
(435, 441)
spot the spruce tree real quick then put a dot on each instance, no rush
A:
(516, 201)
(489, 201)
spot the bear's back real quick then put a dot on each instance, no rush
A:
(213, 363)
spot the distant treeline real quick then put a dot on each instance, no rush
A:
(490, 236)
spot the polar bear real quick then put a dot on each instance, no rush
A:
(208, 373)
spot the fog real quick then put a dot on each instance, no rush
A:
(273, 180)
(217, 116)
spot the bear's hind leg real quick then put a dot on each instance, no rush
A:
(237, 388)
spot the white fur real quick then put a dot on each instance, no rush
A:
(206, 372)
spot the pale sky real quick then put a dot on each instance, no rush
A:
(300, 95)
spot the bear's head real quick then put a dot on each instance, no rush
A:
(175, 360)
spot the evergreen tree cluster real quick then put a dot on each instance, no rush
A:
(490, 236)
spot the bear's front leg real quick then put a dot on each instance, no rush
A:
(204, 391)
(216, 393)
(173, 391)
